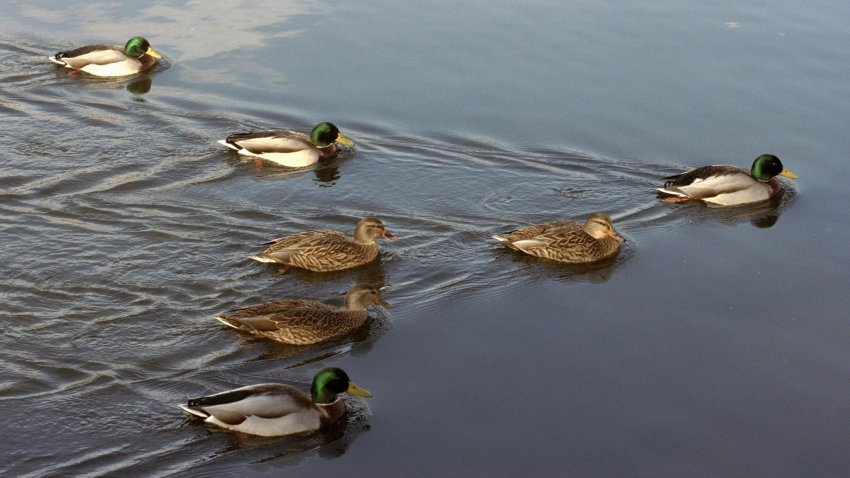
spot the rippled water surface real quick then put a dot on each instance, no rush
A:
(714, 345)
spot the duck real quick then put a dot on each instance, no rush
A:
(324, 250)
(110, 60)
(276, 409)
(291, 149)
(727, 185)
(305, 322)
(567, 241)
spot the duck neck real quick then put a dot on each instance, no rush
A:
(352, 302)
(327, 151)
(332, 411)
(361, 236)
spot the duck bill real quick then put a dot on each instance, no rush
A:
(153, 53)
(390, 236)
(788, 174)
(342, 139)
(355, 390)
(617, 238)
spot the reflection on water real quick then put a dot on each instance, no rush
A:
(326, 173)
(761, 215)
(137, 84)
(372, 273)
(535, 268)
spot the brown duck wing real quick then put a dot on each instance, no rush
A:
(310, 325)
(331, 252)
(541, 229)
(264, 317)
(305, 237)
(559, 240)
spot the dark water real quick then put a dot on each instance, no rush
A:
(715, 345)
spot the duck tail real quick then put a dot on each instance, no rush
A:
(192, 411)
(670, 192)
(226, 321)
(267, 258)
(229, 145)
(57, 58)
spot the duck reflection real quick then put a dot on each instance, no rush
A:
(369, 273)
(594, 272)
(326, 173)
(137, 85)
(327, 176)
(761, 215)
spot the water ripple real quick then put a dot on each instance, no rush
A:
(126, 228)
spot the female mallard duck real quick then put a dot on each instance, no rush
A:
(275, 409)
(728, 185)
(106, 60)
(567, 241)
(323, 250)
(305, 322)
(292, 149)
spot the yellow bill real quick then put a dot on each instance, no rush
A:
(153, 53)
(355, 390)
(788, 174)
(342, 139)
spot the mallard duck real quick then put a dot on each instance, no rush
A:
(107, 60)
(324, 250)
(275, 409)
(567, 241)
(292, 149)
(727, 185)
(304, 322)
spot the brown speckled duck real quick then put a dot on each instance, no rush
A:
(323, 250)
(275, 409)
(567, 241)
(304, 322)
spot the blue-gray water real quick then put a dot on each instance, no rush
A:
(716, 344)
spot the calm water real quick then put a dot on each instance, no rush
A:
(715, 345)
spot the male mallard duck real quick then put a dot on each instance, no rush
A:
(106, 60)
(274, 409)
(567, 241)
(728, 185)
(323, 250)
(292, 149)
(304, 322)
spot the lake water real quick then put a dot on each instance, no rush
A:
(715, 345)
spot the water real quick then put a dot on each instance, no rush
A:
(714, 345)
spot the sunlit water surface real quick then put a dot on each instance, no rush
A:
(715, 344)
